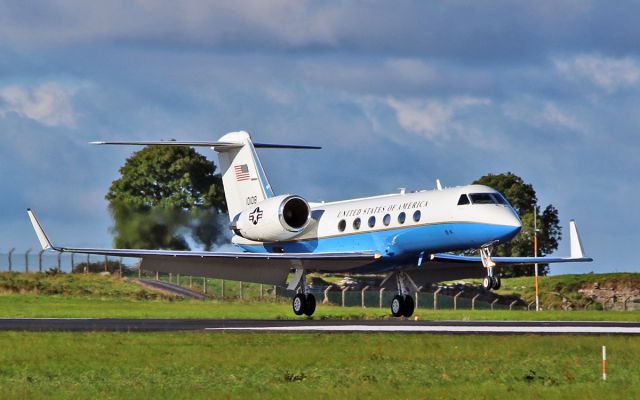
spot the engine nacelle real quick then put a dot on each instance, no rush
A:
(278, 218)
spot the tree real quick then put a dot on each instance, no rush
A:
(523, 198)
(163, 194)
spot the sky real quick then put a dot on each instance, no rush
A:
(398, 94)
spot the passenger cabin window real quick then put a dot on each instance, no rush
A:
(401, 217)
(386, 220)
(416, 216)
(372, 222)
(356, 223)
(482, 198)
(342, 225)
(463, 200)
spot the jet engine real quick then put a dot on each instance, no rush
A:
(278, 218)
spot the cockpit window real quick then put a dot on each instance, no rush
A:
(463, 200)
(500, 199)
(482, 198)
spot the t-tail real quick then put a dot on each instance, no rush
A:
(245, 182)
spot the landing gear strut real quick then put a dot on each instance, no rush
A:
(491, 281)
(303, 302)
(402, 304)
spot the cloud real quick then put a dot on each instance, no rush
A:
(434, 119)
(608, 74)
(48, 103)
(541, 113)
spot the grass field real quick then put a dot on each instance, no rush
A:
(283, 366)
(88, 307)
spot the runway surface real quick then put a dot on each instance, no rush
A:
(393, 326)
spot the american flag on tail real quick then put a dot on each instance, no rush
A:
(242, 172)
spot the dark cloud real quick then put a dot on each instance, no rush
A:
(397, 93)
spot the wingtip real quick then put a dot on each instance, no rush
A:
(575, 242)
(42, 236)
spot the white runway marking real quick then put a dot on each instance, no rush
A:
(445, 329)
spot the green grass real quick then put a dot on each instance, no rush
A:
(86, 307)
(293, 366)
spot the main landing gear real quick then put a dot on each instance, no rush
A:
(491, 281)
(402, 304)
(303, 302)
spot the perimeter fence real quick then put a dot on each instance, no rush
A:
(353, 296)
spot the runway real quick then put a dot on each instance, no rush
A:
(389, 326)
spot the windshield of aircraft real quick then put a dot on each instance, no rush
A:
(487, 198)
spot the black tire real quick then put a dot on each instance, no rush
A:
(487, 283)
(299, 304)
(397, 306)
(311, 305)
(497, 283)
(409, 306)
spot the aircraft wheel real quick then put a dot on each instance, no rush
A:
(408, 306)
(487, 283)
(497, 282)
(311, 305)
(299, 304)
(397, 306)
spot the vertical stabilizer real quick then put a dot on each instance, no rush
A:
(243, 177)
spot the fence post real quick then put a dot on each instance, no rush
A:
(381, 296)
(343, 292)
(106, 263)
(120, 267)
(455, 300)
(10, 261)
(326, 295)
(261, 291)
(222, 289)
(362, 295)
(40, 260)
(73, 264)
(157, 276)
(492, 303)
(240, 290)
(86, 267)
(435, 298)
(26, 261)
(275, 292)
(512, 304)
(473, 301)
(178, 280)
(204, 284)
(140, 269)
(59, 264)
(170, 277)
(418, 295)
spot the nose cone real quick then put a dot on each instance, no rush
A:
(513, 224)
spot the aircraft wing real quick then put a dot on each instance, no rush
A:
(577, 255)
(269, 268)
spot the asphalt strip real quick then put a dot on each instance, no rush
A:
(445, 329)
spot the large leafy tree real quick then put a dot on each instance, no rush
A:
(165, 193)
(523, 198)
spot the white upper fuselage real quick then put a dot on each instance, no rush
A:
(433, 222)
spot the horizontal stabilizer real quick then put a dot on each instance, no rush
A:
(215, 145)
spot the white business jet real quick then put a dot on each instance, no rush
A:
(407, 236)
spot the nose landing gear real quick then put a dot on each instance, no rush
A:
(491, 281)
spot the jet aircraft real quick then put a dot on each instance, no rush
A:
(410, 237)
